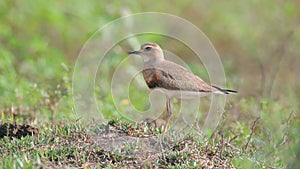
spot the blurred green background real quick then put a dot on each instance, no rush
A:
(258, 43)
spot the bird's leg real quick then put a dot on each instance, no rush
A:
(169, 113)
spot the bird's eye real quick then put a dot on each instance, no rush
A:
(147, 48)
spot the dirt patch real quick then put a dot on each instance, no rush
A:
(17, 130)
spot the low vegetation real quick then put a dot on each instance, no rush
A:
(258, 43)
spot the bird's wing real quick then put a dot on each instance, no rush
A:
(172, 76)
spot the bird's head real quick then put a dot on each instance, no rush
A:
(150, 52)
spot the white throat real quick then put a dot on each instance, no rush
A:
(146, 59)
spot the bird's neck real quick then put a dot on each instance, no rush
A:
(152, 62)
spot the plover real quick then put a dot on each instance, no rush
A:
(172, 79)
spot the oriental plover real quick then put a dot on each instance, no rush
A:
(172, 79)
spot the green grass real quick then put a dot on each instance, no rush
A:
(258, 45)
(72, 145)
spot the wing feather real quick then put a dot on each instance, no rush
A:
(172, 76)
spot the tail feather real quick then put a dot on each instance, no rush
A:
(225, 91)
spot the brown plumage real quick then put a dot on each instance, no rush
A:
(169, 75)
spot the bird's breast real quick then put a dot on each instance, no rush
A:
(151, 78)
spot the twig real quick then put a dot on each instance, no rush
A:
(222, 145)
(252, 131)
(233, 138)
(289, 119)
(285, 137)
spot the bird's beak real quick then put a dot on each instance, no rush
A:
(134, 52)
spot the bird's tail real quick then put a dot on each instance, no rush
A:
(224, 91)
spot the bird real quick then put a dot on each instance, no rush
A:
(172, 79)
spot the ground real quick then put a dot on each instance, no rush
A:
(115, 144)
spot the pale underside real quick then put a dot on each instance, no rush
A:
(181, 94)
